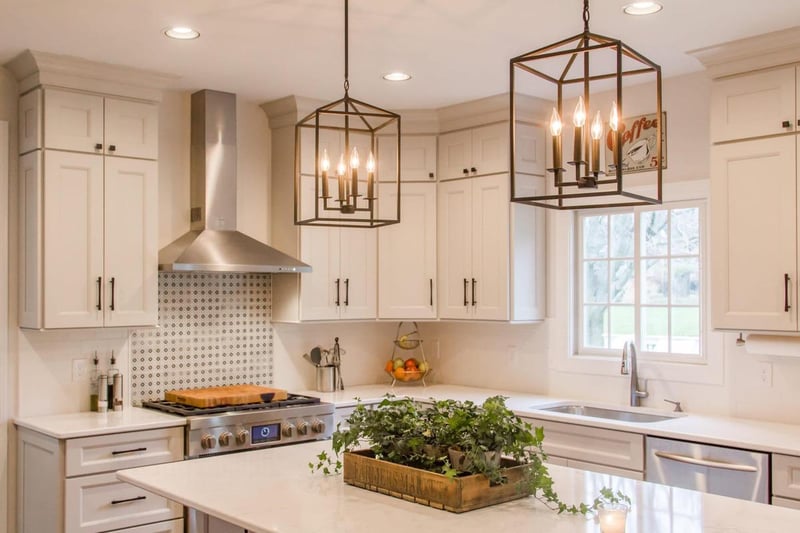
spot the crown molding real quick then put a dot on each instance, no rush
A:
(33, 68)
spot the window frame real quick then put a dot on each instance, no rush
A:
(583, 351)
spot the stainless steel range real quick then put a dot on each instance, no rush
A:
(236, 428)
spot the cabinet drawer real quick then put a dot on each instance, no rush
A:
(170, 526)
(786, 476)
(105, 453)
(593, 445)
(102, 503)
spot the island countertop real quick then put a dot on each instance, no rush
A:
(273, 491)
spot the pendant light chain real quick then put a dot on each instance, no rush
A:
(346, 48)
(585, 16)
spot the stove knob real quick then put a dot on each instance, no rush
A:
(225, 438)
(241, 436)
(288, 430)
(208, 442)
(318, 426)
(302, 427)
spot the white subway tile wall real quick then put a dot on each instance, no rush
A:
(214, 329)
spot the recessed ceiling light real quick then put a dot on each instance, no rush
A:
(181, 32)
(397, 76)
(642, 8)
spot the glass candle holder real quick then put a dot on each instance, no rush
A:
(612, 518)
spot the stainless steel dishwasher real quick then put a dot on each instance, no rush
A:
(715, 469)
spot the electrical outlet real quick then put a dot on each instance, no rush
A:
(765, 374)
(80, 369)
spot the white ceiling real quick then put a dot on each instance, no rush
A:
(455, 49)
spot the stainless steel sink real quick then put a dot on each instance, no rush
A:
(611, 414)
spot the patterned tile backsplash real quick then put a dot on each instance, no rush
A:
(214, 329)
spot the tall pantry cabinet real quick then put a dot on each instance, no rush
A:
(88, 210)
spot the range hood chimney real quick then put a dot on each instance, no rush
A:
(213, 244)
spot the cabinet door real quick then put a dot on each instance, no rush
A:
(131, 242)
(30, 240)
(455, 154)
(407, 256)
(359, 273)
(131, 129)
(753, 105)
(490, 149)
(73, 121)
(530, 153)
(73, 240)
(454, 224)
(754, 235)
(490, 219)
(320, 289)
(417, 158)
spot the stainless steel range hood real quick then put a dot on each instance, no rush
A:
(213, 244)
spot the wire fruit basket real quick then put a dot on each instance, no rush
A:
(411, 369)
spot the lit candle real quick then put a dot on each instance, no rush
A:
(578, 120)
(340, 170)
(555, 131)
(325, 165)
(597, 134)
(354, 162)
(612, 520)
(370, 176)
(613, 124)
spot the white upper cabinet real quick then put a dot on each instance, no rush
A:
(88, 221)
(407, 256)
(473, 152)
(754, 105)
(417, 158)
(90, 123)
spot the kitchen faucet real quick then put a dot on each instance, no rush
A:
(629, 366)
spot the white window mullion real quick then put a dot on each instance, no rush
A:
(637, 278)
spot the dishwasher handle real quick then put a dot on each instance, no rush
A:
(705, 462)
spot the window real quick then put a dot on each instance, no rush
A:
(640, 279)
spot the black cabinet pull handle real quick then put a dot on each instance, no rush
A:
(466, 282)
(338, 300)
(99, 291)
(113, 287)
(430, 174)
(786, 124)
(112, 147)
(786, 305)
(473, 292)
(98, 146)
(128, 500)
(798, 122)
(132, 450)
(431, 285)
(346, 291)
(466, 171)
(473, 169)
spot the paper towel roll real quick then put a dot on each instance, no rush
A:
(773, 345)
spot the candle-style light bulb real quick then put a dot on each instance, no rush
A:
(555, 131)
(354, 162)
(341, 168)
(613, 124)
(613, 120)
(555, 124)
(596, 133)
(370, 163)
(579, 116)
(325, 166)
(370, 176)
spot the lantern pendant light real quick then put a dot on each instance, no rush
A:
(361, 190)
(581, 67)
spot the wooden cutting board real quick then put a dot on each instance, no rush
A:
(225, 395)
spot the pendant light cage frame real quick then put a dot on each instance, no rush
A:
(348, 123)
(344, 127)
(586, 61)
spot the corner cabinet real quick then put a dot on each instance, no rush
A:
(754, 202)
(88, 211)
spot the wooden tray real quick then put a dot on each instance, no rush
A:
(225, 395)
(457, 495)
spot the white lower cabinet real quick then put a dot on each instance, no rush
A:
(786, 481)
(70, 485)
(598, 450)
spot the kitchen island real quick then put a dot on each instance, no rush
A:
(272, 490)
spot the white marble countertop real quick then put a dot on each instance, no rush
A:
(85, 424)
(735, 432)
(272, 490)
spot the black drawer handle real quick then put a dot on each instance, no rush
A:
(430, 174)
(98, 146)
(465, 171)
(786, 124)
(466, 283)
(786, 305)
(132, 450)
(99, 291)
(128, 500)
(473, 169)
(112, 147)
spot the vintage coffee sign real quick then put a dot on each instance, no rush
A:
(639, 148)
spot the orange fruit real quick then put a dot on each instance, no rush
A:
(400, 373)
(389, 366)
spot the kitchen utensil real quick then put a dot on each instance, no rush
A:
(308, 358)
(337, 364)
(225, 395)
(316, 355)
